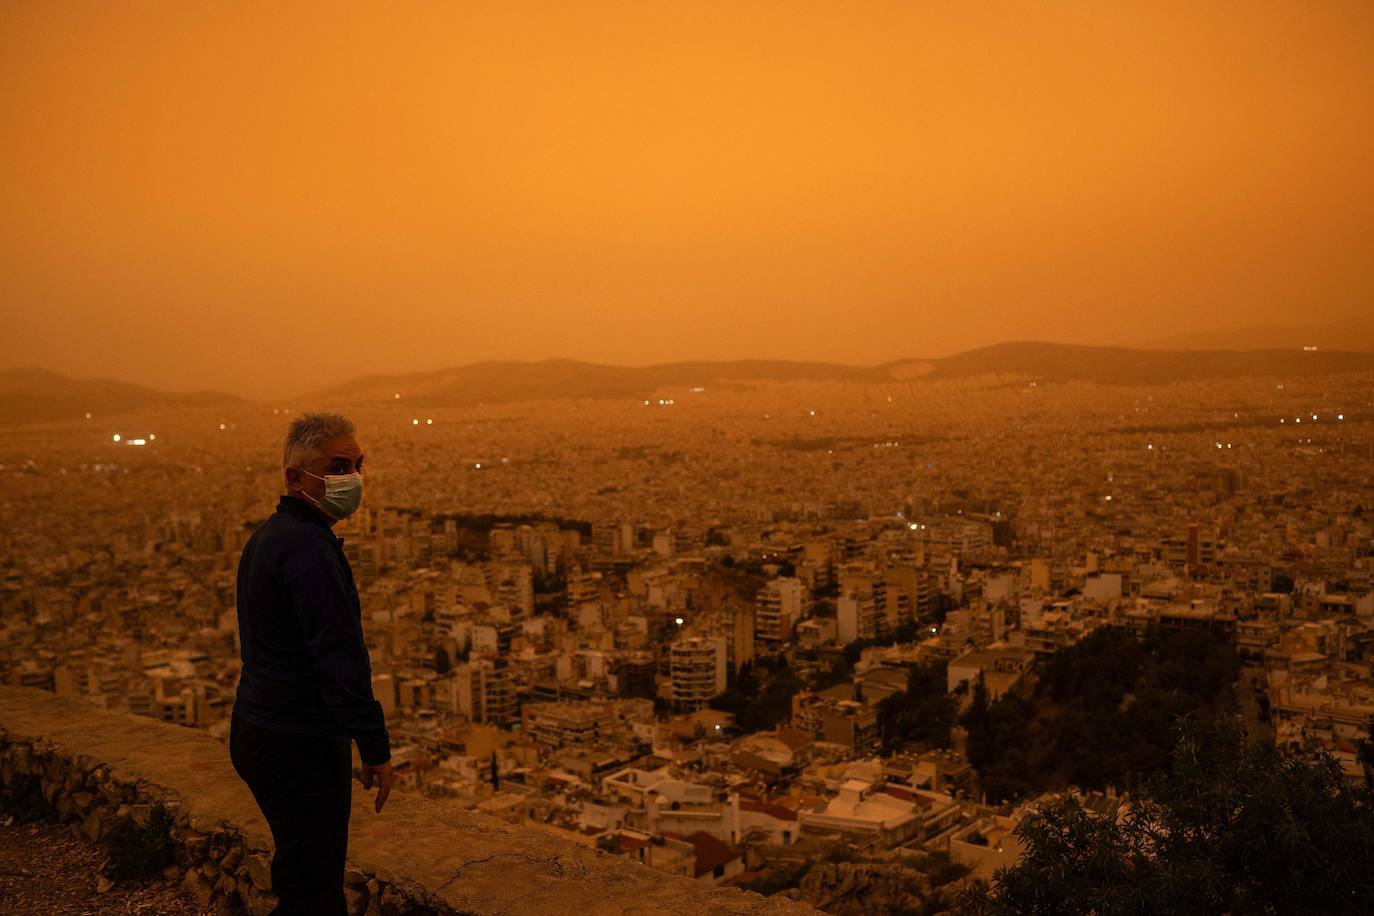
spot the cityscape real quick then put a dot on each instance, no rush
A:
(742, 631)
(686, 459)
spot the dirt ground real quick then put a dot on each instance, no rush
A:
(45, 870)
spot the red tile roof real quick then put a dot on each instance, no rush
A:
(711, 852)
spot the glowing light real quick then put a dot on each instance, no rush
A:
(88, 415)
(221, 426)
(678, 620)
(116, 437)
(151, 437)
(478, 465)
(932, 629)
(429, 422)
(415, 422)
(396, 396)
(813, 413)
(1340, 416)
(138, 441)
(913, 526)
(1107, 498)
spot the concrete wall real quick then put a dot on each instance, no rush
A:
(420, 855)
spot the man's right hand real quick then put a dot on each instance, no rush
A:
(381, 775)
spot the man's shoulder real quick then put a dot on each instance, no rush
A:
(287, 532)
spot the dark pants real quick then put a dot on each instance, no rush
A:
(304, 786)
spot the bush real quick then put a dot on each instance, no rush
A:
(1232, 827)
(139, 852)
(778, 879)
(24, 799)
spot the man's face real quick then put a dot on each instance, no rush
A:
(340, 455)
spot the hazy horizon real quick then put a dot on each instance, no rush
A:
(271, 201)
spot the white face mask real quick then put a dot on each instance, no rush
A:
(343, 493)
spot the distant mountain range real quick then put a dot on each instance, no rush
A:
(36, 395)
(30, 395)
(1350, 333)
(501, 382)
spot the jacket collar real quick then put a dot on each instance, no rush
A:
(300, 508)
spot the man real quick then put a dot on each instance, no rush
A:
(305, 691)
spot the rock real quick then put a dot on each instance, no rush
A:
(195, 885)
(92, 827)
(66, 808)
(197, 846)
(171, 872)
(141, 815)
(227, 906)
(113, 792)
(227, 886)
(858, 889)
(210, 870)
(393, 902)
(231, 859)
(356, 897)
(261, 903)
(259, 870)
(103, 884)
(84, 801)
(354, 878)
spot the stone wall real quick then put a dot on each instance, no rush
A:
(419, 856)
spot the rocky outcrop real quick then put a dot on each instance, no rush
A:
(420, 856)
(861, 889)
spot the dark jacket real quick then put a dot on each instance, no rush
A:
(305, 666)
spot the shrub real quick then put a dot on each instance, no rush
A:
(139, 852)
(24, 799)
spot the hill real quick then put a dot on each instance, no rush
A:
(34, 395)
(1352, 333)
(1125, 366)
(501, 382)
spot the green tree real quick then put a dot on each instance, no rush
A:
(923, 712)
(1233, 827)
(978, 721)
(1103, 711)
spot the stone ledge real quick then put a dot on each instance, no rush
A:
(421, 855)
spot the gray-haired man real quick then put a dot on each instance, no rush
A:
(305, 691)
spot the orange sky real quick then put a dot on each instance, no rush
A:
(269, 200)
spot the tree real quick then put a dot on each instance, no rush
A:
(1364, 750)
(1233, 827)
(978, 721)
(923, 712)
(1102, 712)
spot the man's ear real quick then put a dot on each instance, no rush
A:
(293, 479)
